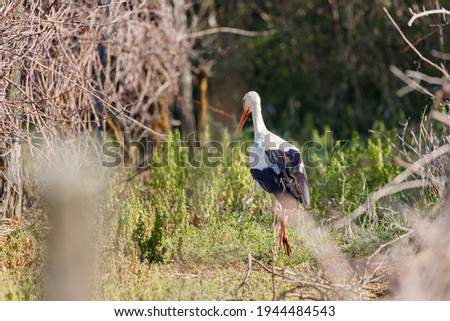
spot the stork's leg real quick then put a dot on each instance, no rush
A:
(282, 235)
(250, 199)
(276, 216)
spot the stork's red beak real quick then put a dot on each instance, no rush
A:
(244, 116)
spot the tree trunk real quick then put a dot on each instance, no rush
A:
(185, 103)
(12, 190)
(205, 73)
(11, 193)
(3, 186)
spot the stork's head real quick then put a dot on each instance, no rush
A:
(250, 102)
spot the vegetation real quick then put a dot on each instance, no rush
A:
(190, 229)
(179, 219)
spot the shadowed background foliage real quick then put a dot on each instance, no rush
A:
(326, 65)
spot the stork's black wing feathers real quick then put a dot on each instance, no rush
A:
(293, 176)
(286, 178)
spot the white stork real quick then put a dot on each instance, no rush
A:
(275, 164)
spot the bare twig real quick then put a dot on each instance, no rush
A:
(425, 159)
(424, 77)
(440, 117)
(438, 184)
(317, 288)
(425, 13)
(442, 70)
(235, 31)
(249, 270)
(440, 55)
(381, 247)
(412, 85)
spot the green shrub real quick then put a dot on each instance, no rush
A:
(352, 173)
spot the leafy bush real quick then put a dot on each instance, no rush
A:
(351, 173)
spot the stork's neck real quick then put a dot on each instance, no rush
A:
(258, 124)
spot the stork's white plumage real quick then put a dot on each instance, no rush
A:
(275, 164)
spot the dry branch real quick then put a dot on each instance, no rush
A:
(235, 31)
(419, 54)
(425, 13)
(411, 84)
(314, 288)
(421, 76)
(420, 163)
(440, 55)
(389, 243)
(387, 190)
(440, 117)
